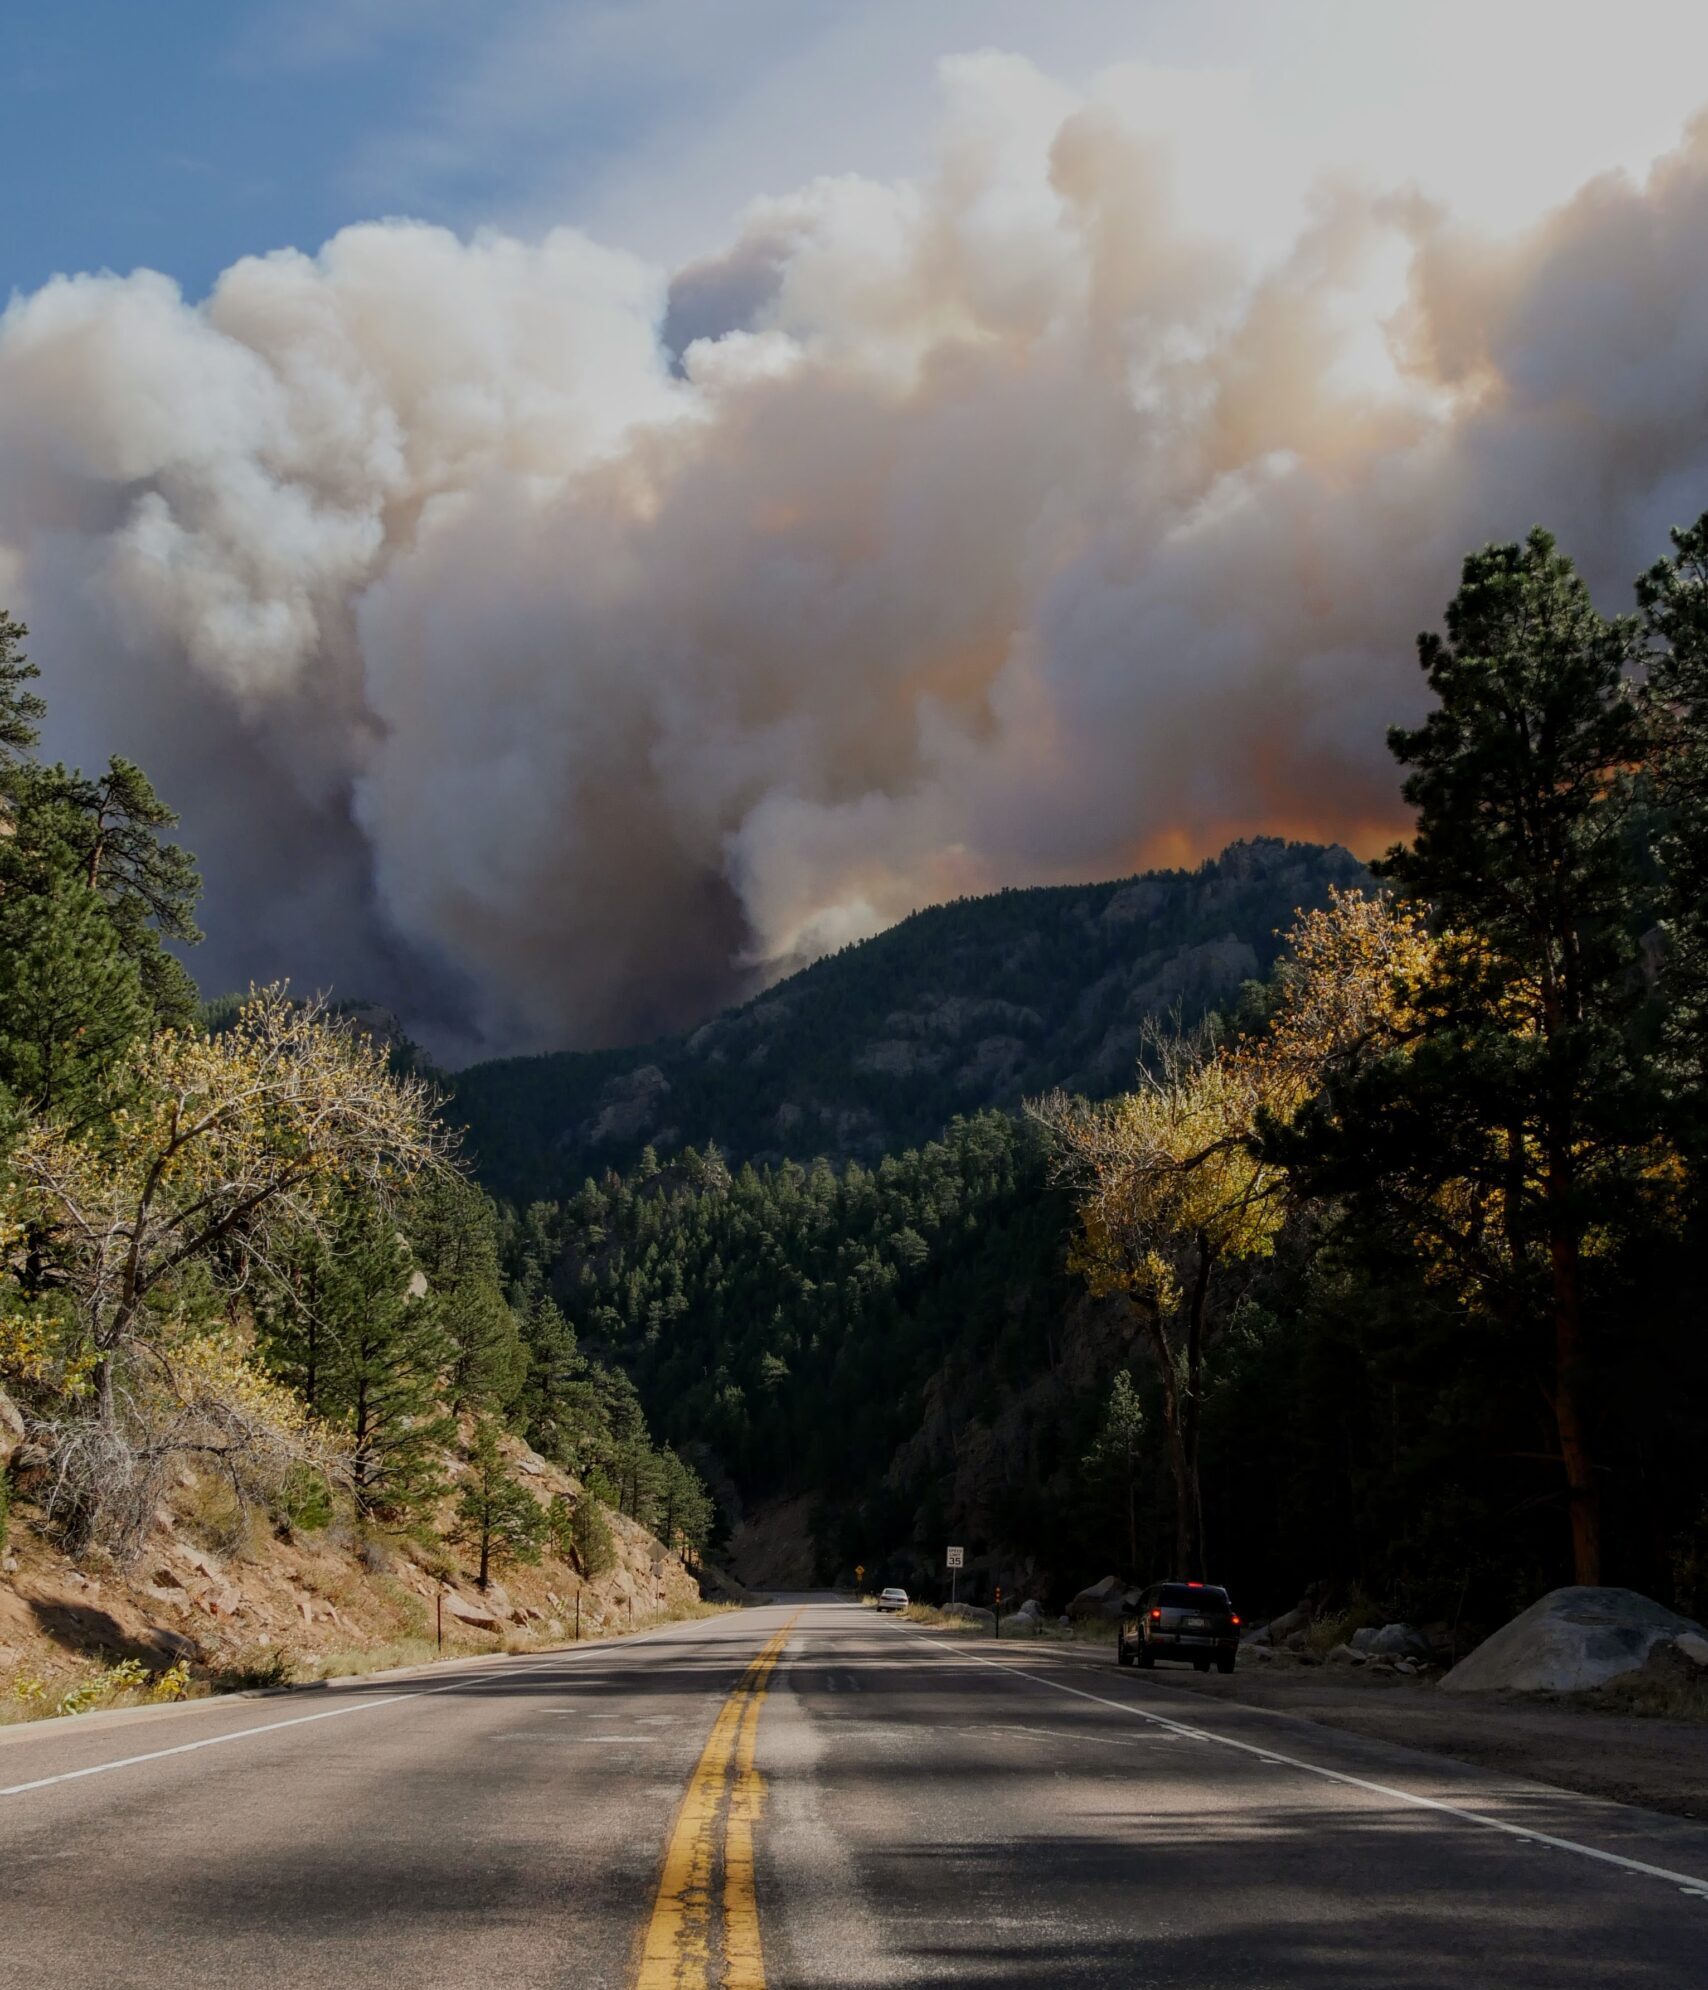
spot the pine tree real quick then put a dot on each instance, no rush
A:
(1673, 595)
(1112, 1464)
(590, 1540)
(559, 1409)
(496, 1514)
(71, 1001)
(350, 1325)
(104, 834)
(21, 710)
(453, 1230)
(1506, 1136)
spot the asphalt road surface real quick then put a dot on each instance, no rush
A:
(808, 1795)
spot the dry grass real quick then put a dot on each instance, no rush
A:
(1658, 1692)
(423, 1650)
(942, 1620)
(942, 1617)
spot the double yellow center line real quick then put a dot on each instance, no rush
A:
(698, 1923)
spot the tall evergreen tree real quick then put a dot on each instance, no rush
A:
(1505, 1138)
(453, 1231)
(496, 1514)
(105, 834)
(21, 710)
(350, 1324)
(71, 1000)
(560, 1410)
(1114, 1462)
(1673, 595)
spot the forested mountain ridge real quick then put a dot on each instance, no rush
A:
(978, 1003)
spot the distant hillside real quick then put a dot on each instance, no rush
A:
(977, 1003)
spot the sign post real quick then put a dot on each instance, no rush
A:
(998, 1611)
(957, 1560)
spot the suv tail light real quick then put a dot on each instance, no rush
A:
(1156, 1616)
(1234, 1620)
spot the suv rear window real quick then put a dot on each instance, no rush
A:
(1177, 1596)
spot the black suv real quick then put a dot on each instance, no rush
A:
(1186, 1620)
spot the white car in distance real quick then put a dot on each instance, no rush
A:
(892, 1599)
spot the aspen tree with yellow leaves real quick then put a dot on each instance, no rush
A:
(1175, 1191)
(138, 1236)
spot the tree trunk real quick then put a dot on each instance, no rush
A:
(1132, 1514)
(485, 1558)
(106, 1396)
(1565, 1263)
(361, 1453)
(311, 1364)
(1581, 1488)
(1191, 1411)
(1178, 1463)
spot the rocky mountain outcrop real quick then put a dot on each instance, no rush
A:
(980, 1003)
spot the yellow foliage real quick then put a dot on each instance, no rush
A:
(217, 1365)
(115, 1682)
(227, 1140)
(173, 1683)
(37, 1344)
(1350, 986)
(1167, 1167)
(1171, 1176)
(226, 1145)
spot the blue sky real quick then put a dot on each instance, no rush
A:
(180, 134)
(183, 133)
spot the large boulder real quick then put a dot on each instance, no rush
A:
(1289, 1623)
(475, 1611)
(1393, 1641)
(1572, 1641)
(1103, 1599)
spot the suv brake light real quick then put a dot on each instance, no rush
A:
(1156, 1616)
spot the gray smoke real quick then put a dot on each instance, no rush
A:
(553, 650)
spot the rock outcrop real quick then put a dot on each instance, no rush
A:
(1107, 1599)
(1572, 1641)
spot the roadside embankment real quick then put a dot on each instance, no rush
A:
(224, 1599)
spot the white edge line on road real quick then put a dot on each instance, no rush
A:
(302, 1720)
(1689, 1882)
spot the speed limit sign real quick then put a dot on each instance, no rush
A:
(957, 1558)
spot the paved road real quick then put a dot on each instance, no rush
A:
(808, 1796)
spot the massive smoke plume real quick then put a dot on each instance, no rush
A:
(552, 648)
